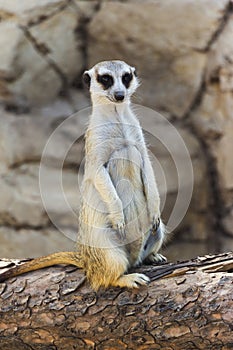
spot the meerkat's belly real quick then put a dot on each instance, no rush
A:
(125, 168)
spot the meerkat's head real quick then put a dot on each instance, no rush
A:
(111, 81)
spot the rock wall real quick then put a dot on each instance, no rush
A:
(183, 52)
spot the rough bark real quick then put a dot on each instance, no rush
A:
(55, 308)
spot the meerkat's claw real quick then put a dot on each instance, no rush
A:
(140, 280)
(155, 223)
(156, 258)
(121, 230)
(132, 280)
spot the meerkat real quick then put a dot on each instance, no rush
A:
(119, 223)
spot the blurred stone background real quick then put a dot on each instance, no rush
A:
(183, 51)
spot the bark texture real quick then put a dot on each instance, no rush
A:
(55, 308)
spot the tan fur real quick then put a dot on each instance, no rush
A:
(120, 200)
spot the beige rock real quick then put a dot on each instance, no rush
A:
(220, 58)
(60, 193)
(179, 250)
(85, 8)
(20, 199)
(9, 44)
(223, 152)
(76, 101)
(227, 196)
(163, 136)
(211, 116)
(36, 81)
(10, 38)
(228, 223)
(175, 86)
(35, 66)
(227, 244)
(23, 139)
(3, 153)
(213, 120)
(196, 221)
(226, 77)
(62, 45)
(31, 243)
(162, 48)
(201, 192)
(178, 32)
(80, 100)
(27, 10)
(27, 199)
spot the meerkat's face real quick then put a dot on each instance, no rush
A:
(111, 81)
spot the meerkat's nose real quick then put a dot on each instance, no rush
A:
(119, 95)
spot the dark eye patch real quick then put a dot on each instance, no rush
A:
(106, 80)
(126, 79)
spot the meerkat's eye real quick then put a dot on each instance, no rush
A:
(106, 80)
(126, 79)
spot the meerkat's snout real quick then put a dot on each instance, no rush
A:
(119, 96)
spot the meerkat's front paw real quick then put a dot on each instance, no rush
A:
(155, 223)
(155, 258)
(118, 224)
(121, 229)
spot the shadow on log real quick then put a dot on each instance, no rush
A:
(187, 305)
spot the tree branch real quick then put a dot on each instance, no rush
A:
(187, 305)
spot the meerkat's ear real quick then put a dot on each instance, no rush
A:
(87, 79)
(134, 71)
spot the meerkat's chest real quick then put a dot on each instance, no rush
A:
(117, 135)
(105, 139)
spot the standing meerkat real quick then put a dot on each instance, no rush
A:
(120, 224)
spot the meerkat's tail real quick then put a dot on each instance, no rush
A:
(67, 258)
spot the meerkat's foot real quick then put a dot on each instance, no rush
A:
(133, 280)
(155, 258)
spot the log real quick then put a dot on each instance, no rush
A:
(188, 305)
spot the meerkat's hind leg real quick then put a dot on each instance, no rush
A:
(113, 271)
(132, 280)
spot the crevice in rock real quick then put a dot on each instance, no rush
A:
(43, 51)
(73, 166)
(10, 223)
(197, 99)
(222, 24)
(216, 205)
(45, 16)
(17, 108)
(17, 226)
(81, 31)
(23, 226)
(33, 161)
(227, 234)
